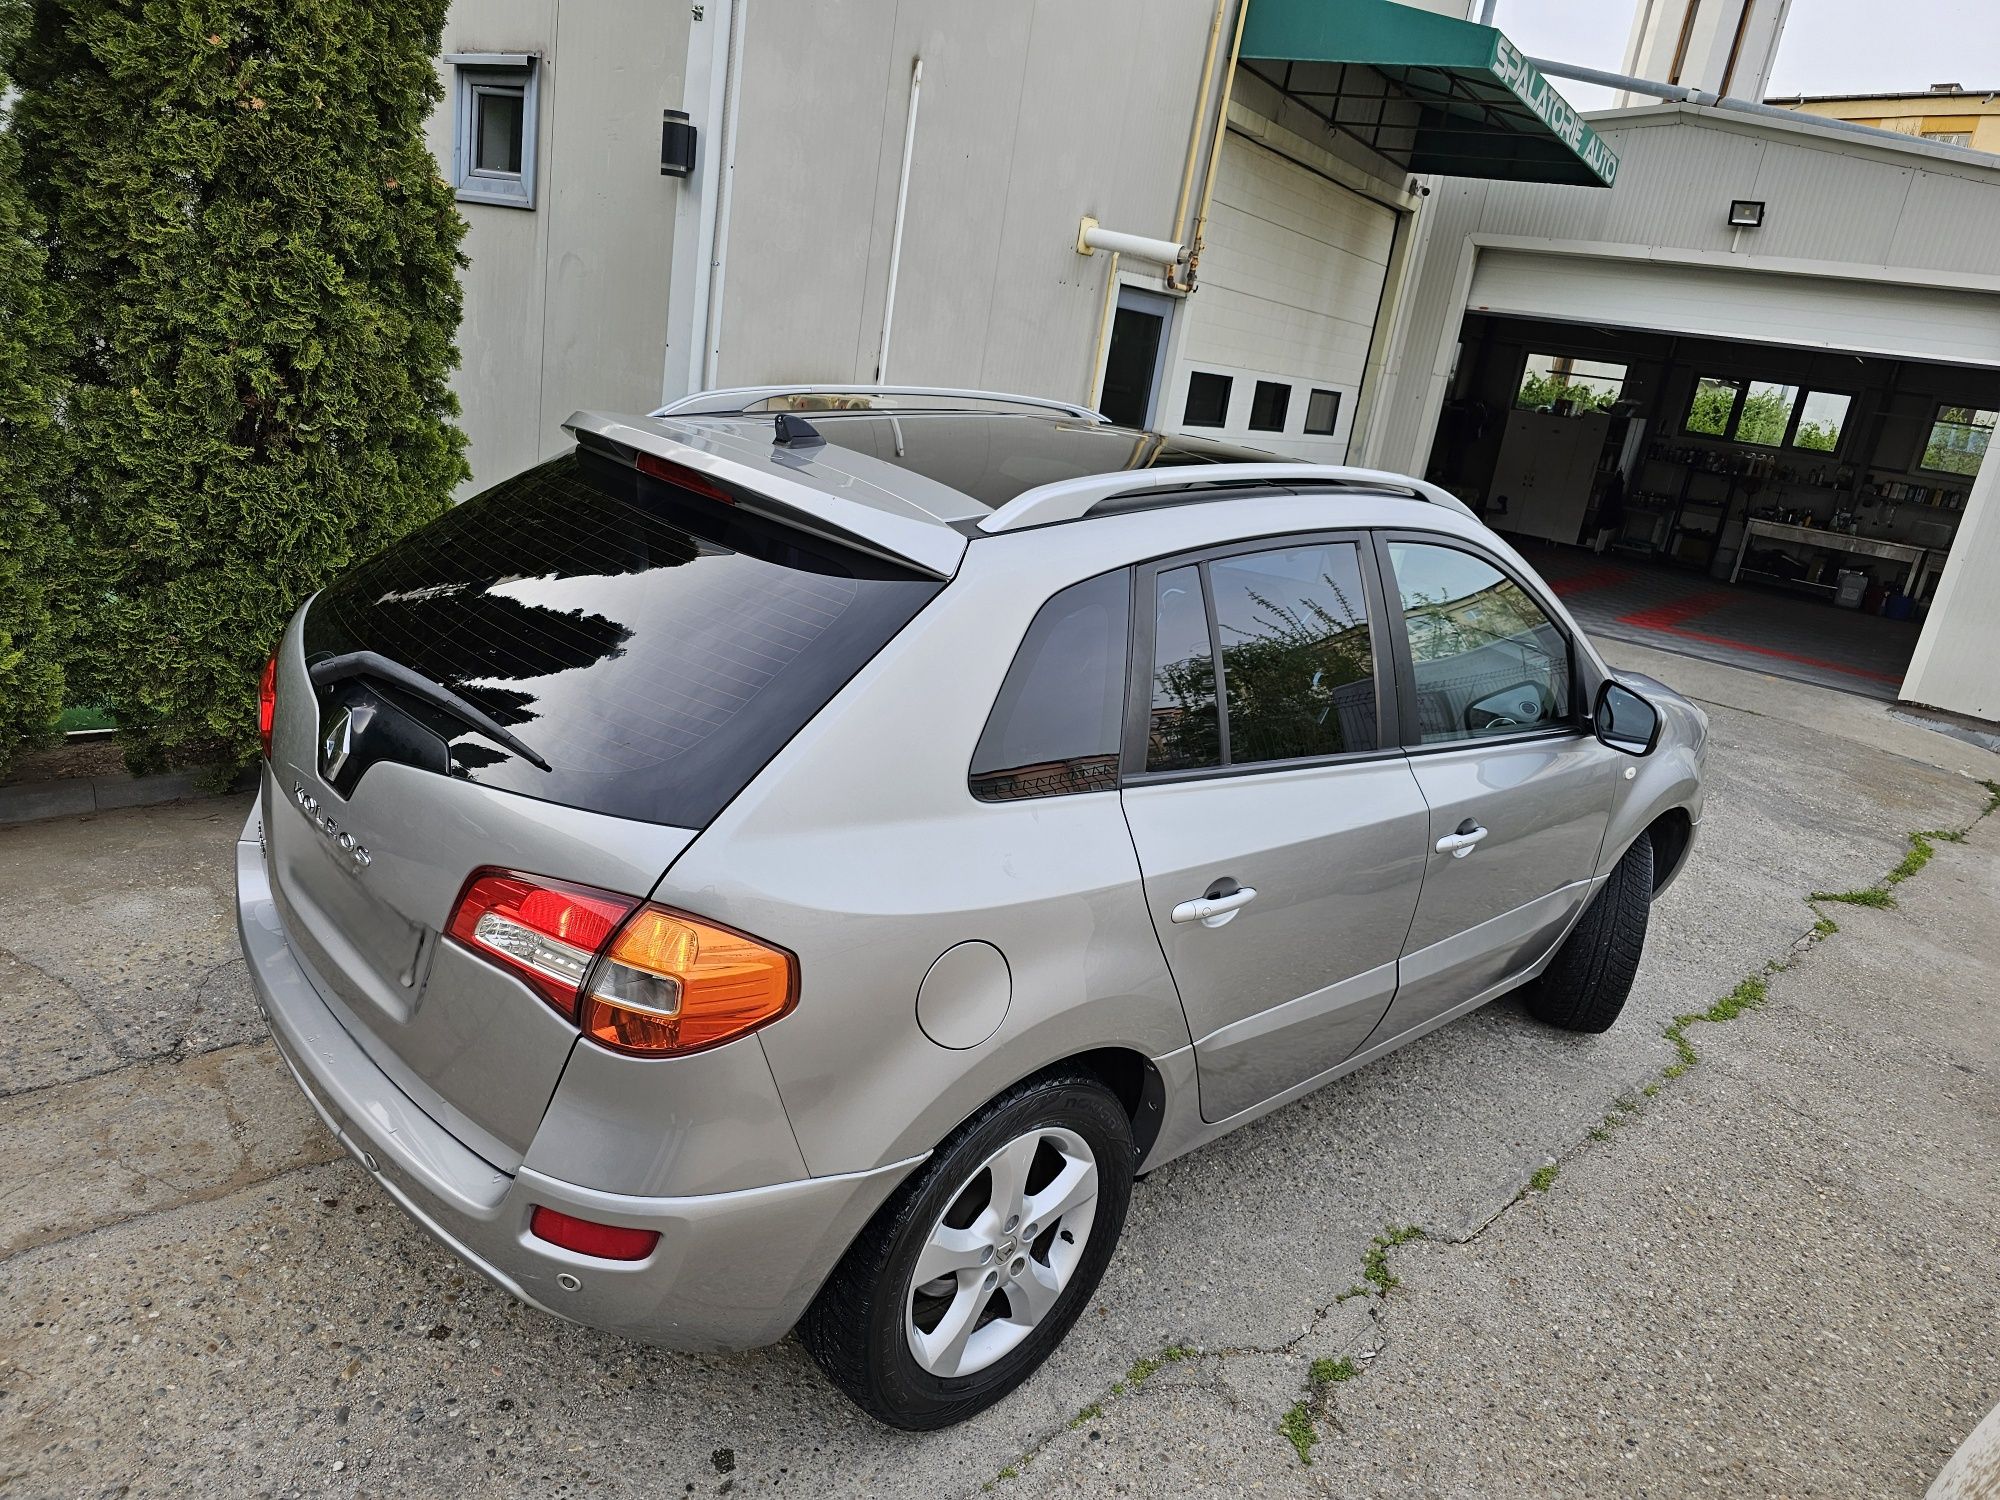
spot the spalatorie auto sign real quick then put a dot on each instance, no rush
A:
(1554, 111)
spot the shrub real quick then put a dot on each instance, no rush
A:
(261, 262)
(31, 531)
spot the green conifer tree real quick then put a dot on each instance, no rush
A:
(31, 532)
(261, 263)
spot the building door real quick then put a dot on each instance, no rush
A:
(1137, 358)
(1292, 280)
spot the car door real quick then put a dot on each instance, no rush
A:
(1519, 792)
(1279, 831)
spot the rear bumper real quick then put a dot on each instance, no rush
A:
(731, 1270)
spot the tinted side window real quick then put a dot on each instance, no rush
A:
(1488, 660)
(1298, 667)
(1055, 725)
(1184, 731)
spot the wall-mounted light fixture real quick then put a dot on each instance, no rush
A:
(676, 143)
(1746, 213)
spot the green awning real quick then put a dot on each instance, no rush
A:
(1433, 94)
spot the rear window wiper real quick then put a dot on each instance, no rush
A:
(374, 664)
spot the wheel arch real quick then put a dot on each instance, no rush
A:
(1672, 834)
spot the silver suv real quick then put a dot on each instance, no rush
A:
(796, 858)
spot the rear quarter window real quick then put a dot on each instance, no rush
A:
(656, 647)
(1056, 724)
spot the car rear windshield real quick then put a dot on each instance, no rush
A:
(654, 646)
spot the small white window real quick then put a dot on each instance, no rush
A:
(493, 150)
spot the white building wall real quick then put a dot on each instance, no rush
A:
(1839, 210)
(565, 303)
(1720, 46)
(1032, 116)
(1891, 249)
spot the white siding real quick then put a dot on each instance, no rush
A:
(1858, 214)
(565, 303)
(1861, 317)
(1291, 278)
(1868, 248)
(1033, 116)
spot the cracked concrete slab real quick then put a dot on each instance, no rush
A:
(148, 1137)
(296, 1333)
(1779, 1280)
(143, 930)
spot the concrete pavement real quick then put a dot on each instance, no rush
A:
(1772, 1274)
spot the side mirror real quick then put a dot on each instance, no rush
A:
(1625, 721)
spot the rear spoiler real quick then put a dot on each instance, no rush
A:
(784, 484)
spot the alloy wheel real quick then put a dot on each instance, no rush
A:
(1002, 1253)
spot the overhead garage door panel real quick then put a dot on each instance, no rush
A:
(1245, 331)
(1292, 273)
(1811, 311)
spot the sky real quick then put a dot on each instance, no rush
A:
(1829, 46)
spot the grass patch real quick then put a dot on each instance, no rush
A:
(1326, 1372)
(1599, 1133)
(1089, 1414)
(1375, 1264)
(1010, 1472)
(1299, 1431)
(1873, 895)
(1543, 1178)
(1357, 1290)
(1992, 797)
(1825, 927)
(1146, 1368)
(1914, 859)
(1749, 994)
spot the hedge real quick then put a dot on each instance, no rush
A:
(261, 263)
(31, 534)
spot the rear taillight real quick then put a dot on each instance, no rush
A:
(267, 703)
(673, 983)
(637, 978)
(588, 1237)
(547, 931)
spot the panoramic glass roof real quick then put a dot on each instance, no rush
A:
(993, 457)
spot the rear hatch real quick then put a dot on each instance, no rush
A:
(566, 676)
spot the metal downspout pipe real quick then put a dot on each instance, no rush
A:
(896, 235)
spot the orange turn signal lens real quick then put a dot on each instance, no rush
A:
(672, 983)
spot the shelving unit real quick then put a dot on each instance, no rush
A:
(1679, 480)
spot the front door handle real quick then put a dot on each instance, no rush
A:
(1214, 911)
(1461, 843)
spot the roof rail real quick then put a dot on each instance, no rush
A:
(739, 399)
(1070, 499)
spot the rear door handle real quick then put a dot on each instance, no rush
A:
(1461, 843)
(1214, 911)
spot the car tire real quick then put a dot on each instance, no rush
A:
(867, 1324)
(1586, 984)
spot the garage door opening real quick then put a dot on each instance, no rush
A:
(1781, 508)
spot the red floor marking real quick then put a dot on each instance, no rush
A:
(1591, 578)
(1802, 660)
(1669, 615)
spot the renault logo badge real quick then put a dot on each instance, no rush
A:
(338, 745)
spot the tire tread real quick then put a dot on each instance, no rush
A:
(1587, 983)
(843, 1319)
